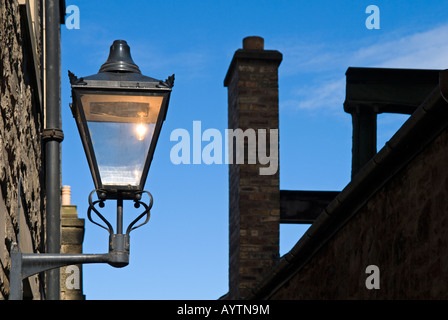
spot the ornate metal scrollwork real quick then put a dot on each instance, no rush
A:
(137, 203)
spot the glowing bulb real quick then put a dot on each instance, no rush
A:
(141, 127)
(141, 131)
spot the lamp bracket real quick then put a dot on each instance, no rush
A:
(24, 265)
(107, 225)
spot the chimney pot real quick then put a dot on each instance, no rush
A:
(66, 196)
(253, 43)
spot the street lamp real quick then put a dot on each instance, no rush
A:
(119, 113)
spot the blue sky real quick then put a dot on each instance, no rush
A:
(182, 253)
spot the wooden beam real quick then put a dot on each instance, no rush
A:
(383, 90)
(303, 206)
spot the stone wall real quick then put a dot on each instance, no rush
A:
(20, 144)
(402, 230)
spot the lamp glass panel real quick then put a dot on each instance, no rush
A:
(121, 128)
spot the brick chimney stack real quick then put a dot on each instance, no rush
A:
(254, 199)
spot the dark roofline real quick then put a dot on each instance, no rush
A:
(422, 127)
(389, 90)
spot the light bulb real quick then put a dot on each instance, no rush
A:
(141, 131)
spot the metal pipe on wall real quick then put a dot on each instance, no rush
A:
(53, 140)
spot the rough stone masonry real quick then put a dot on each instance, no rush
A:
(20, 141)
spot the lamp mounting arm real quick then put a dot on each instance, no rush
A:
(24, 265)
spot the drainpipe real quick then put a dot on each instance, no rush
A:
(52, 136)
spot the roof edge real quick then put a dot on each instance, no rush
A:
(431, 117)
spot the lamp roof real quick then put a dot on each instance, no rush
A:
(119, 59)
(120, 71)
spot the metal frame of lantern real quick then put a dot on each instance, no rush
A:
(118, 77)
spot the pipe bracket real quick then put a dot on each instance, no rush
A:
(52, 135)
